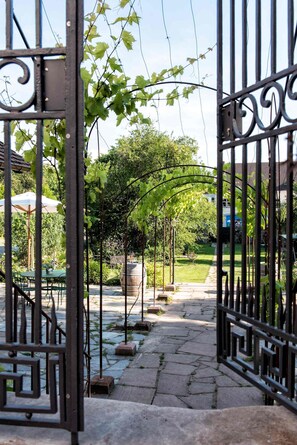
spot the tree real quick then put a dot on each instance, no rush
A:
(143, 151)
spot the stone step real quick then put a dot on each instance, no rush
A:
(122, 423)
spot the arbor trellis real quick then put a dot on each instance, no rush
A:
(150, 204)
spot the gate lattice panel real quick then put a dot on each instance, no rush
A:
(41, 365)
(257, 194)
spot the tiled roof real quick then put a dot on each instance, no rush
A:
(281, 172)
(17, 161)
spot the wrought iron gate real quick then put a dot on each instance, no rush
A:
(41, 364)
(257, 213)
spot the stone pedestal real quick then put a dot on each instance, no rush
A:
(154, 309)
(126, 349)
(143, 326)
(102, 385)
(170, 287)
(163, 297)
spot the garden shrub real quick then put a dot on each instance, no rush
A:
(94, 272)
(150, 275)
(115, 276)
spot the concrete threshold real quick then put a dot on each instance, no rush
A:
(109, 422)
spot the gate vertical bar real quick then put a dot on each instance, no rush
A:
(273, 36)
(289, 231)
(38, 22)
(232, 46)
(7, 233)
(258, 219)
(290, 32)
(232, 180)
(258, 40)
(272, 232)
(9, 24)
(7, 179)
(244, 43)
(38, 231)
(244, 170)
(39, 173)
(232, 228)
(219, 176)
(74, 217)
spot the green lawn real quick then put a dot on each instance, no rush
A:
(192, 270)
(237, 259)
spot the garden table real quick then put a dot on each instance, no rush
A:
(51, 277)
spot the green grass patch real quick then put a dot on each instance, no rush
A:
(237, 259)
(192, 270)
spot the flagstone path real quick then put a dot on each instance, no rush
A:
(176, 364)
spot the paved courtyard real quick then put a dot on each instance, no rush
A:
(175, 364)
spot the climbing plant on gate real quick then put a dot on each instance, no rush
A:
(107, 88)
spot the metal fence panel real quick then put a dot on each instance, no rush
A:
(257, 316)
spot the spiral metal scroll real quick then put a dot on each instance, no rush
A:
(22, 80)
(279, 107)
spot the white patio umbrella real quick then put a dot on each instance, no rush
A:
(26, 203)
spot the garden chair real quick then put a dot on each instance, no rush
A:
(23, 283)
(58, 286)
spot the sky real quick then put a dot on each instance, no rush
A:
(170, 31)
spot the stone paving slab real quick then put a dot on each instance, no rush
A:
(200, 401)
(145, 378)
(179, 369)
(168, 400)
(198, 348)
(201, 387)
(206, 371)
(133, 394)
(247, 396)
(176, 332)
(148, 360)
(173, 384)
(180, 358)
(166, 347)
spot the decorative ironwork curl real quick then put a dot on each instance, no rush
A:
(280, 110)
(268, 104)
(242, 113)
(22, 80)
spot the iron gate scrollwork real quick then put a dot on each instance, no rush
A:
(257, 225)
(41, 363)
